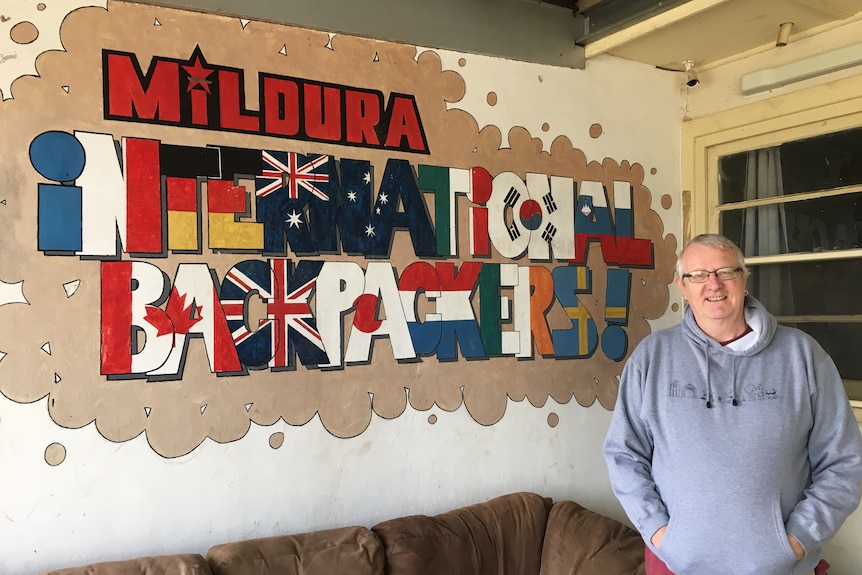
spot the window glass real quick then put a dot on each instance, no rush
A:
(807, 165)
(832, 287)
(837, 339)
(815, 225)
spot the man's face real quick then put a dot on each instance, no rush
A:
(713, 300)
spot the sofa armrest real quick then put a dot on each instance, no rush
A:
(503, 535)
(581, 542)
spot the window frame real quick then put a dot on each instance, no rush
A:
(824, 109)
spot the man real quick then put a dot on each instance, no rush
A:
(732, 448)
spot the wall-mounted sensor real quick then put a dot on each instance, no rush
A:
(691, 79)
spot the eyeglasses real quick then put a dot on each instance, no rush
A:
(700, 276)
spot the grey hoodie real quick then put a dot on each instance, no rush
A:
(778, 451)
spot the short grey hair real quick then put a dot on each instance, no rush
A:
(718, 242)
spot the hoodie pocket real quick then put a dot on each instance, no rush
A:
(712, 533)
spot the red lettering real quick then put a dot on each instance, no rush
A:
(143, 196)
(419, 276)
(281, 106)
(230, 104)
(322, 112)
(116, 317)
(128, 98)
(616, 250)
(404, 123)
(287, 107)
(200, 114)
(182, 194)
(479, 238)
(225, 198)
(481, 186)
(362, 114)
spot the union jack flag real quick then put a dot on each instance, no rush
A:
(246, 278)
(234, 309)
(275, 171)
(289, 308)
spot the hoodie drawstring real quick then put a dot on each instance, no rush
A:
(735, 402)
(708, 382)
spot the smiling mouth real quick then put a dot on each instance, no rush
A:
(717, 298)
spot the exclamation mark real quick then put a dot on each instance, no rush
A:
(615, 341)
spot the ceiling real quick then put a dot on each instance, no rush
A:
(662, 33)
(666, 33)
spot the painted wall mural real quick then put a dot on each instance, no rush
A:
(210, 222)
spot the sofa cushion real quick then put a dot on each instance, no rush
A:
(161, 565)
(579, 541)
(353, 550)
(501, 536)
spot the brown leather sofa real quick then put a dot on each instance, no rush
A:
(517, 534)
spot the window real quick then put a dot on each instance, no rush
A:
(783, 178)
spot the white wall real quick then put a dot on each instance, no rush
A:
(113, 501)
(110, 501)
